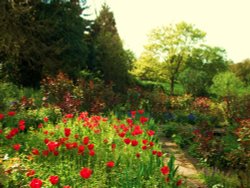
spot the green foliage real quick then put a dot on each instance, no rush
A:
(226, 84)
(242, 70)
(170, 46)
(40, 39)
(107, 54)
(202, 65)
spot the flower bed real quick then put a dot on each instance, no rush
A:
(82, 151)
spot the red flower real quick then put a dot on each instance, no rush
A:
(92, 153)
(133, 113)
(159, 154)
(81, 149)
(151, 132)
(127, 141)
(40, 125)
(36, 183)
(54, 179)
(151, 143)
(144, 147)
(35, 151)
(1, 131)
(85, 173)
(122, 134)
(138, 155)
(45, 119)
(179, 182)
(110, 164)
(52, 145)
(1, 116)
(85, 140)
(76, 136)
(145, 141)
(134, 142)
(66, 186)
(46, 140)
(141, 111)
(143, 119)
(165, 170)
(56, 153)
(45, 152)
(91, 146)
(30, 173)
(67, 132)
(113, 146)
(22, 127)
(11, 113)
(69, 116)
(154, 152)
(16, 147)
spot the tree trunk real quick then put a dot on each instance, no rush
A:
(172, 86)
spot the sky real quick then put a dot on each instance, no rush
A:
(226, 22)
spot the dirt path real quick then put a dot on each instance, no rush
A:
(186, 164)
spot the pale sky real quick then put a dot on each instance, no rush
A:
(226, 22)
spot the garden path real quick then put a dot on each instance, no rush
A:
(186, 164)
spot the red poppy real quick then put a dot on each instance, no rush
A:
(11, 113)
(52, 145)
(30, 173)
(40, 125)
(159, 153)
(151, 132)
(143, 119)
(45, 119)
(85, 173)
(76, 136)
(110, 164)
(91, 146)
(138, 155)
(35, 151)
(92, 153)
(145, 141)
(133, 113)
(122, 134)
(144, 147)
(134, 142)
(165, 170)
(16, 147)
(56, 153)
(36, 183)
(81, 149)
(1, 131)
(141, 111)
(113, 146)
(127, 141)
(154, 152)
(45, 152)
(67, 132)
(53, 180)
(46, 140)
(179, 182)
(1, 116)
(86, 140)
(69, 116)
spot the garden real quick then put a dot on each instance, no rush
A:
(77, 109)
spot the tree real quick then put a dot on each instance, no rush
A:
(171, 46)
(201, 66)
(226, 84)
(41, 38)
(107, 53)
(242, 70)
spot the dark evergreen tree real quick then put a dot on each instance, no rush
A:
(107, 53)
(39, 38)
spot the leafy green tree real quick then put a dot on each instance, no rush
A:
(201, 66)
(226, 84)
(242, 70)
(107, 53)
(41, 38)
(171, 46)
